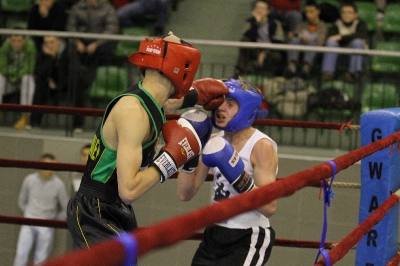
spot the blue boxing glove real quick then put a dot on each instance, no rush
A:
(203, 126)
(218, 152)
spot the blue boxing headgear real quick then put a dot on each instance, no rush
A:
(249, 101)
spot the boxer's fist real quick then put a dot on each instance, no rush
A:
(207, 92)
(201, 123)
(203, 126)
(211, 92)
(218, 152)
(181, 145)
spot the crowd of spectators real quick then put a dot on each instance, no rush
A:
(55, 64)
(42, 68)
(302, 25)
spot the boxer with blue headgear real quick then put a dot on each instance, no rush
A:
(241, 158)
(249, 101)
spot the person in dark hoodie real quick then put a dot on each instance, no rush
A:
(46, 15)
(260, 28)
(51, 73)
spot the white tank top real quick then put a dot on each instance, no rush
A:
(223, 189)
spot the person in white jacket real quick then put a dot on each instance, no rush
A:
(43, 196)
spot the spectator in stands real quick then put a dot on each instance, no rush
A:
(135, 10)
(77, 176)
(310, 32)
(288, 12)
(67, 4)
(94, 16)
(51, 73)
(46, 15)
(260, 28)
(350, 32)
(17, 64)
(380, 7)
(43, 196)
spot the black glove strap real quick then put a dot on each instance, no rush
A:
(191, 165)
(190, 99)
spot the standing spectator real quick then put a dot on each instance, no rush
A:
(77, 176)
(310, 32)
(288, 12)
(51, 73)
(43, 196)
(241, 158)
(17, 64)
(134, 11)
(350, 32)
(260, 28)
(46, 15)
(94, 16)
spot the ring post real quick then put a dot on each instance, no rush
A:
(379, 177)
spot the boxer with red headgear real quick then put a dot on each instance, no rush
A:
(178, 61)
(121, 166)
(241, 159)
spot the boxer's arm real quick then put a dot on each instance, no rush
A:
(264, 160)
(127, 138)
(218, 152)
(188, 184)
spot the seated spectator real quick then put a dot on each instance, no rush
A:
(380, 7)
(288, 12)
(310, 32)
(94, 16)
(67, 4)
(17, 63)
(260, 28)
(51, 73)
(46, 15)
(134, 11)
(349, 32)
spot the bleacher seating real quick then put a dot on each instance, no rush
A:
(109, 82)
(379, 95)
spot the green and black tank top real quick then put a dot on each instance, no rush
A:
(100, 175)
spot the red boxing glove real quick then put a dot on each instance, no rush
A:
(207, 92)
(181, 145)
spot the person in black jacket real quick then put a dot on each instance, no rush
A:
(51, 73)
(260, 28)
(46, 15)
(351, 32)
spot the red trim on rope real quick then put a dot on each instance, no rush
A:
(42, 165)
(56, 166)
(181, 227)
(100, 112)
(196, 236)
(395, 261)
(31, 221)
(355, 236)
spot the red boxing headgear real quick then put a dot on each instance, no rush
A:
(176, 61)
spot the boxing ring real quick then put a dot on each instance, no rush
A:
(183, 227)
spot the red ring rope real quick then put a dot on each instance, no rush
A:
(163, 234)
(100, 112)
(196, 236)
